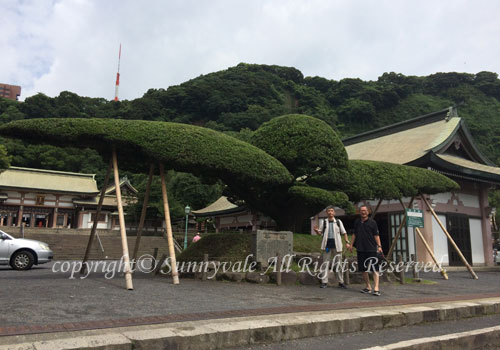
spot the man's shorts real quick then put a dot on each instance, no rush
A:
(368, 261)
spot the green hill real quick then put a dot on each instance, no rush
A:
(240, 99)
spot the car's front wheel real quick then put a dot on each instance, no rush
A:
(22, 260)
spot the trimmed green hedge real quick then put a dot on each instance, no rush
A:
(219, 246)
(179, 146)
(301, 143)
(381, 180)
(314, 197)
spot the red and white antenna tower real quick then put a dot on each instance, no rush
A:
(118, 74)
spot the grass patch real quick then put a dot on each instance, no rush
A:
(306, 243)
(410, 280)
(219, 246)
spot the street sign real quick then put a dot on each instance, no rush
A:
(414, 218)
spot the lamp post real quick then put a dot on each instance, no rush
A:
(187, 210)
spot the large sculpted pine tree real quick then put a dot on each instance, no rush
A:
(295, 166)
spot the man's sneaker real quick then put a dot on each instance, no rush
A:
(376, 293)
(342, 285)
(323, 285)
(366, 291)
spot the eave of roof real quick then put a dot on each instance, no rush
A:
(459, 168)
(48, 181)
(398, 127)
(220, 207)
(108, 201)
(124, 182)
(406, 145)
(222, 212)
(424, 141)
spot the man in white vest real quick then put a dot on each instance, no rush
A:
(331, 245)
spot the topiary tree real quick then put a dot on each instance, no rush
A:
(297, 167)
(309, 148)
(180, 147)
(381, 180)
(303, 144)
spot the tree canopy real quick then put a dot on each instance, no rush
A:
(300, 142)
(381, 180)
(181, 147)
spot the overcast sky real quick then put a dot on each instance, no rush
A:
(52, 46)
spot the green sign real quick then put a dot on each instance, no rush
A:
(414, 218)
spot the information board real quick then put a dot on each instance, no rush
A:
(266, 244)
(414, 218)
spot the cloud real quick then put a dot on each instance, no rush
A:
(73, 45)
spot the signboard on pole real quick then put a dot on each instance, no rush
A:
(414, 218)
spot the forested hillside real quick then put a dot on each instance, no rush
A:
(238, 100)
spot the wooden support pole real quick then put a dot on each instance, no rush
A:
(121, 218)
(400, 229)
(159, 265)
(97, 213)
(449, 238)
(143, 213)
(415, 270)
(170, 239)
(443, 271)
(278, 268)
(401, 271)
(205, 267)
(346, 272)
(153, 261)
(376, 209)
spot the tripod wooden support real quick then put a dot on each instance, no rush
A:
(419, 233)
(143, 213)
(449, 238)
(395, 239)
(121, 218)
(170, 239)
(93, 231)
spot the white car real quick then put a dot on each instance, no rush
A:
(22, 254)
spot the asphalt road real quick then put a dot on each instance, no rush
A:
(41, 296)
(361, 340)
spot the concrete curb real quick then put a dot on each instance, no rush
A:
(220, 333)
(476, 339)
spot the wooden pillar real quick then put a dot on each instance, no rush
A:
(121, 217)
(143, 213)
(96, 221)
(449, 238)
(19, 216)
(54, 218)
(486, 235)
(168, 224)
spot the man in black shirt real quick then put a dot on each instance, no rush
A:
(366, 239)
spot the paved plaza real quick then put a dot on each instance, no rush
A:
(40, 297)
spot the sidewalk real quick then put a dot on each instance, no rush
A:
(239, 331)
(43, 302)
